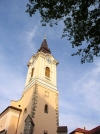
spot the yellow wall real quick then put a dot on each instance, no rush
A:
(39, 65)
(44, 121)
(24, 102)
(41, 120)
(9, 120)
(2, 123)
(79, 133)
(13, 125)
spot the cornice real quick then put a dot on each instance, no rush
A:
(41, 81)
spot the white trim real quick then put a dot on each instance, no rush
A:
(41, 81)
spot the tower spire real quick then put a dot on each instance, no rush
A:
(44, 47)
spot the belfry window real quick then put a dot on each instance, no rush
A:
(46, 108)
(32, 72)
(47, 71)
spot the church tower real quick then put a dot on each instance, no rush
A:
(39, 102)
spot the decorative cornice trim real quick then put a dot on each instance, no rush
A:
(38, 80)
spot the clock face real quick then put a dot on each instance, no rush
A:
(48, 59)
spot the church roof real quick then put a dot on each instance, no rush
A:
(11, 107)
(44, 47)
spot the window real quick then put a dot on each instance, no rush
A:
(46, 94)
(47, 71)
(25, 110)
(32, 72)
(45, 132)
(46, 108)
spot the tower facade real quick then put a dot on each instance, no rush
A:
(39, 102)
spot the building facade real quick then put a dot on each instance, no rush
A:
(37, 110)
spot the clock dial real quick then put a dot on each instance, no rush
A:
(48, 59)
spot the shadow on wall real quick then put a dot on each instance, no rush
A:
(41, 104)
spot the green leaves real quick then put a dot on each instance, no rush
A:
(81, 20)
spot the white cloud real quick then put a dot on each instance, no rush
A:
(27, 39)
(11, 82)
(30, 35)
(79, 104)
(11, 89)
(73, 121)
(89, 86)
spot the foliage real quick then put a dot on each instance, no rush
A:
(81, 20)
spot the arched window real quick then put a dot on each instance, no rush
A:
(32, 72)
(46, 108)
(47, 71)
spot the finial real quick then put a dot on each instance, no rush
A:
(45, 37)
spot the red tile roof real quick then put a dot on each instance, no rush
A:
(79, 130)
(95, 130)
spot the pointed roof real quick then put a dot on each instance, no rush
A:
(44, 47)
(29, 119)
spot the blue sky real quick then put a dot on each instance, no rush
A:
(78, 84)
